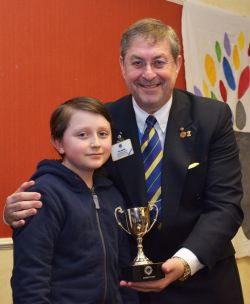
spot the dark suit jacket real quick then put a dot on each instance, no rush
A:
(200, 206)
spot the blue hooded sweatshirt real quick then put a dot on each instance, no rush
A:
(71, 250)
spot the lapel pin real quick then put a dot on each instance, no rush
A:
(189, 133)
(119, 137)
(185, 133)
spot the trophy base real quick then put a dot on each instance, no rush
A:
(140, 273)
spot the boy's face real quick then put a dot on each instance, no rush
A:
(86, 143)
(150, 72)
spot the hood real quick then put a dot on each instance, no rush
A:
(55, 168)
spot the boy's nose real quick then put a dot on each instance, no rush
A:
(95, 142)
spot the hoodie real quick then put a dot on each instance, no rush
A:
(69, 252)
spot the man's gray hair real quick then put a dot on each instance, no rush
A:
(152, 30)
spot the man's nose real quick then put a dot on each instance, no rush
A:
(149, 72)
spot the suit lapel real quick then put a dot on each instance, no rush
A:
(177, 155)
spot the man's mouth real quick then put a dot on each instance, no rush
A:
(149, 86)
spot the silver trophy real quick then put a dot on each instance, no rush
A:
(138, 224)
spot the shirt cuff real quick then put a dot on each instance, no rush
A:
(191, 259)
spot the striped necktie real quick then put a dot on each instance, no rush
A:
(152, 158)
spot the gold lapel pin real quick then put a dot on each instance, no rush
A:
(185, 133)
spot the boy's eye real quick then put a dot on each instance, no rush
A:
(104, 134)
(82, 135)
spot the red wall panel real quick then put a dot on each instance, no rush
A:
(52, 50)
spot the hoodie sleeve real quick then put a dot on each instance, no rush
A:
(33, 252)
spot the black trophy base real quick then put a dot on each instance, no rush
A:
(140, 273)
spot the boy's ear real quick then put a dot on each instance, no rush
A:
(58, 145)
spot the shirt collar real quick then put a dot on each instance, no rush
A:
(161, 115)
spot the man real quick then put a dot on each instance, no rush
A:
(200, 180)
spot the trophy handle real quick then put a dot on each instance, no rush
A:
(119, 209)
(156, 215)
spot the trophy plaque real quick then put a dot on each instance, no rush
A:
(138, 224)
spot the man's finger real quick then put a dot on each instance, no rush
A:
(23, 206)
(25, 186)
(18, 197)
(18, 224)
(23, 214)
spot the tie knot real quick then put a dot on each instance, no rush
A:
(150, 121)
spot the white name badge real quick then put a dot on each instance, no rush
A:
(122, 149)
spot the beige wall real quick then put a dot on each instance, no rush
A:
(241, 7)
(5, 270)
(6, 267)
(244, 268)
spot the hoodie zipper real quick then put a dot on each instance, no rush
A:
(97, 208)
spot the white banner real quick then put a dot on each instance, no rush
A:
(217, 57)
(217, 64)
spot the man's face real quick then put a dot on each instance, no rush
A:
(150, 72)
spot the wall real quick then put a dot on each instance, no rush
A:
(5, 270)
(241, 7)
(52, 50)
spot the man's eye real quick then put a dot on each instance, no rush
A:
(159, 63)
(137, 64)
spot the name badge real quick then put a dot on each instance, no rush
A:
(122, 149)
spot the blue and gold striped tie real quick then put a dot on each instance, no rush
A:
(152, 158)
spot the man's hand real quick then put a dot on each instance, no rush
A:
(21, 205)
(173, 269)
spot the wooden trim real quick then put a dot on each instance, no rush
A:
(6, 243)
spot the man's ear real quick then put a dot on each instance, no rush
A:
(58, 145)
(178, 63)
(121, 61)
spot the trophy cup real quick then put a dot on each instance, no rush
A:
(138, 224)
